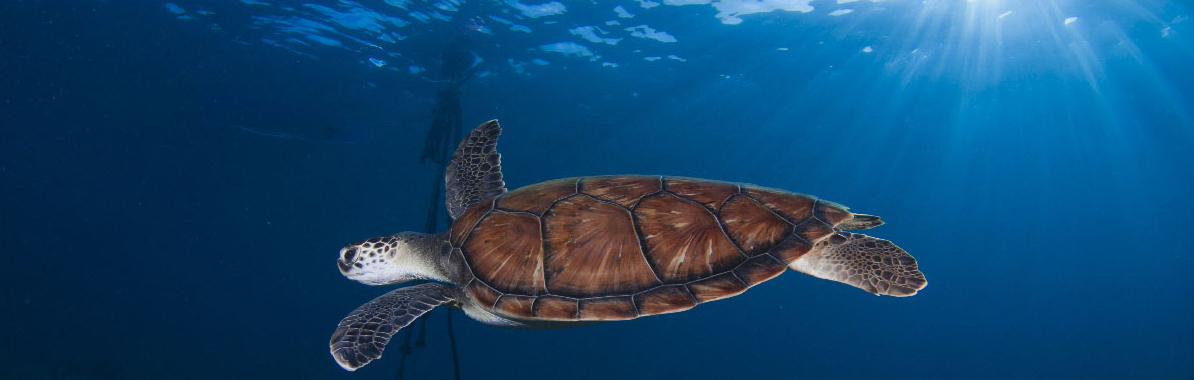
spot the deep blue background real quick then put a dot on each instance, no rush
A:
(1042, 179)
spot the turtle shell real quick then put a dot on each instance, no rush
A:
(622, 247)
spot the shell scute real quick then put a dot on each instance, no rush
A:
(515, 305)
(813, 230)
(607, 309)
(683, 240)
(717, 287)
(795, 208)
(537, 198)
(506, 252)
(831, 213)
(753, 227)
(592, 249)
(483, 294)
(457, 263)
(555, 308)
(664, 299)
(623, 190)
(708, 193)
(760, 268)
(791, 249)
(464, 224)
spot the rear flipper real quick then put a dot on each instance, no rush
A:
(363, 334)
(870, 264)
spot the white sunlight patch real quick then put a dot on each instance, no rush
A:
(589, 33)
(568, 48)
(622, 12)
(644, 31)
(730, 11)
(540, 10)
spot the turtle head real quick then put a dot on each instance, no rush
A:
(393, 259)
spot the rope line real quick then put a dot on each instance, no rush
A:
(445, 132)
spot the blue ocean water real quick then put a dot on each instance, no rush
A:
(176, 178)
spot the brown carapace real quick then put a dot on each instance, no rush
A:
(621, 247)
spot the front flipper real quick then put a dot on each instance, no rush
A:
(363, 334)
(870, 264)
(475, 173)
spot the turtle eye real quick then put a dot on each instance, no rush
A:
(348, 254)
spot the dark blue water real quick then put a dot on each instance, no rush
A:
(176, 180)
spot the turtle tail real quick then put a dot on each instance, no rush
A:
(861, 222)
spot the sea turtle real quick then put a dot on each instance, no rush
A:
(585, 250)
